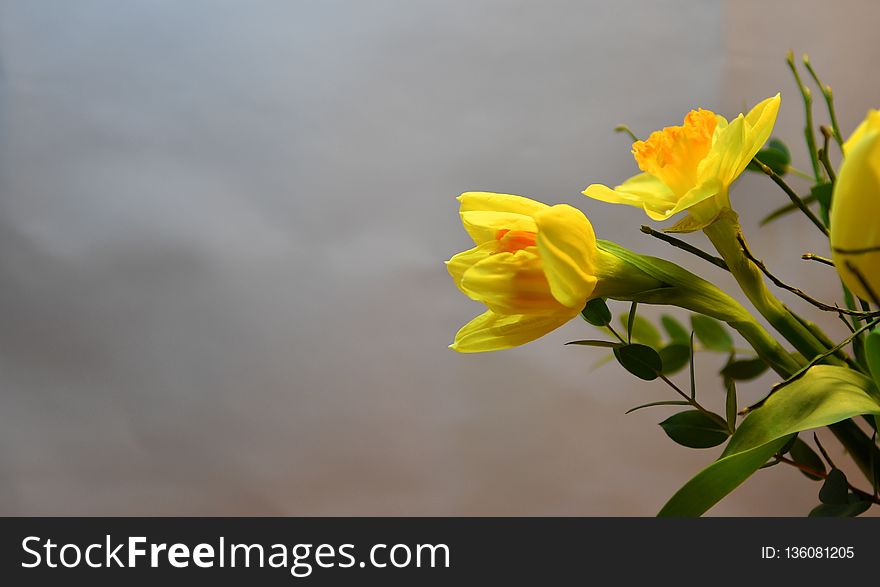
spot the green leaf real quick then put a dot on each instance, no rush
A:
(823, 395)
(630, 321)
(803, 454)
(775, 155)
(675, 330)
(640, 360)
(787, 447)
(711, 333)
(744, 369)
(694, 429)
(602, 362)
(675, 356)
(711, 484)
(692, 368)
(872, 354)
(822, 192)
(730, 404)
(642, 331)
(835, 489)
(600, 343)
(848, 510)
(784, 210)
(674, 402)
(596, 312)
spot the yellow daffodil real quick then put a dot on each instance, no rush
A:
(871, 122)
(855, 212)
(691, 167)
(533, 267)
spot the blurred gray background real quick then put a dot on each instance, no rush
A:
(223, 227)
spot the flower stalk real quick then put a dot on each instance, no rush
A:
(724, 233)
(680, 288)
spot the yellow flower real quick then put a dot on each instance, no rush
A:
(691, 167)
(533, 267)
(871, 122)
(855, 212)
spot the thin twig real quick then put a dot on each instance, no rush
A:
(795, 199)
(823, 154)
(815, 257)
(796, 291)
(800, 373)
(823, 451)
(625, 129)
(717, 261)
(688, 398)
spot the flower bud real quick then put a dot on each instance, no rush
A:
(855, 214)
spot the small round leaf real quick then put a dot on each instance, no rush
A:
(744, 369)
(675, 357)
(711, 333)
(596, 312)
(640, 360)
(694, 429)
(675, 330)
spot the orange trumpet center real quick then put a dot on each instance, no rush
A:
(674, 153)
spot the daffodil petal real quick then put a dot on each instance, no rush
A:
(687, 224)
(483, 214)
(567, 245)
(493, 332)
(871, 122)
(483, 225)
(643, 191)
(489, 201)
(697, 194)
(458, 264)
(727, 154)
(759, 124)
(511, 283)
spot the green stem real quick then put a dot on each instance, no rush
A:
(809, 133)
(829, 101)
(723, 234)
(628, 276)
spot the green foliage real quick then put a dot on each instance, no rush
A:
(822, 193)
(717, 480)
(675, 357)
(675, 330)
(836, 499)
(852, 508)
(835, 489)
(598, 343)
(596, 312)
(694, 429)
(744, 369)
(730, 404)
(711, 333)
(823, 395)
(785, 210)
(642, 330)
(640, 360)
(872, 354)
(775, 155)
(804, 455)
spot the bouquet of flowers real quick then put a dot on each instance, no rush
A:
(535, 267)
